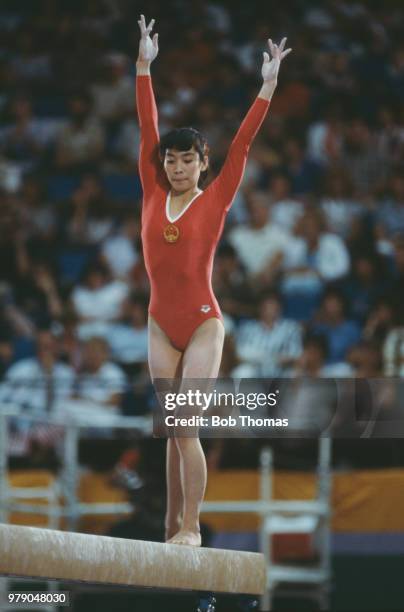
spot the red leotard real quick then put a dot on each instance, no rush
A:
(180, 271)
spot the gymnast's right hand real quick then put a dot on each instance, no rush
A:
(148, 48)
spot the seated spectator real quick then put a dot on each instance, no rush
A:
(366, 360)
(270, 344)
(88, 217)
(365, 285)
(389, 216)
(21, 140)
(337, 203)
(124, 149)
(312, 361)
(37, 385)
(231, 285)
(36, 294)
(314, 258)
(285, 209)
(393, 347)
(261, 244)
(379, 322)
(98, 299)
(332, 322)
(119, 250)
(304, 173)
(325, 136)
(39, 217)
(81, 143)
(395, 281)
(361, 159)
(128, 338)
(115, 93)
(70, 348)
(309, 403)
(100, 381)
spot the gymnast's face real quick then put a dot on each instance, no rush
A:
(183, 168)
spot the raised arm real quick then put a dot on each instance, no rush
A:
(231, 174)
(146, 108)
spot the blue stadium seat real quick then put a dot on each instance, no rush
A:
(123, 186)
(61, 187)
(71, 263)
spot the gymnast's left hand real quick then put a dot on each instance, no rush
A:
(270, 66)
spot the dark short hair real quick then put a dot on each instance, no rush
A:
(338, 294)
(183, 139)
(270, 294)
(318, 341)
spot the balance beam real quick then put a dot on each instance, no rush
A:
(60, 555)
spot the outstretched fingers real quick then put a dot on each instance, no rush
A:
(278, 53)
(145, 31)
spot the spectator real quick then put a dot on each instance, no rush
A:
(128, 338)
(325, 137)
(115, 93)
(100, 380)
(231, 284)
(119, 250)
(88, 216)
(390, 210)
(393, 346)
(81, 143)
(271, 344)
(361, 159)
(285, 209)
(379, 322)
(260, 245)
(366, 360)
(20, 141)
(39, 216)
(312, 362)
(332, 322)
(314, 258)
(98, 299)
(337, 203)
(36, 385)
(36, 294)
(365, 285)
(304, 173)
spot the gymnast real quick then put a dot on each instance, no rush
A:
(181, 227)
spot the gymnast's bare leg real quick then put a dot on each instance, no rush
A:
(165, 362)
(186, 464)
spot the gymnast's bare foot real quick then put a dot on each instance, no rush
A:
(172, 529)
(172, 526)
(187, 537)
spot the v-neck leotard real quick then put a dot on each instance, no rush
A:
(179, 251)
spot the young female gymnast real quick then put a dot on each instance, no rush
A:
(181, 226)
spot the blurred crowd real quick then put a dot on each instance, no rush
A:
(310, 270)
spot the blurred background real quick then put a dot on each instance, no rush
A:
(309, 272)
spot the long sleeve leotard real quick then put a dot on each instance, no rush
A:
(179, 252)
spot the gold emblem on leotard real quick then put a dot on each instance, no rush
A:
(171, 233)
